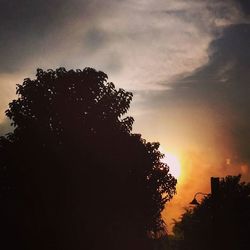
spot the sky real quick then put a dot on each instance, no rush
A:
(186, 61)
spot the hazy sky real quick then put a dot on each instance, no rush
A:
(187, 62)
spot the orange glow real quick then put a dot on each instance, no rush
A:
(174, 164)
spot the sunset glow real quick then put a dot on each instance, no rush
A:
(183, 67)
(174, 164)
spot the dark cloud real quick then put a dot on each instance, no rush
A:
(225, 79)
(245, 6)
(222, 86)
(95, 39)
(25, 25)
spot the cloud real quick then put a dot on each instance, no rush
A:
(245, 6)
(223, 86)
(143, 46)
(140, 44)
(154, 43)
(208, 110)
(204, 115)
(26, 28)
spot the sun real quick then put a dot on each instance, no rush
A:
(174, 164)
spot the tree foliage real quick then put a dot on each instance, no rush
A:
(221, 222)
(80, 178)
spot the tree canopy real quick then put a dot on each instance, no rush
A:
(221, 222)
(73, 175)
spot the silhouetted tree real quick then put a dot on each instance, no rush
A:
(73, 175)
(218, 223)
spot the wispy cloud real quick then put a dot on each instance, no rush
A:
(138, 43)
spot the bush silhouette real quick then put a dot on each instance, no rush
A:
(73, 175)
(219, 222)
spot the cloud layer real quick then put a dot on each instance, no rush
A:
(140, 43)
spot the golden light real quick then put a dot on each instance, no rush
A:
(174, 164)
